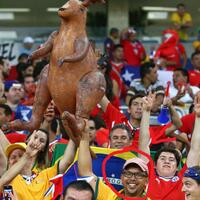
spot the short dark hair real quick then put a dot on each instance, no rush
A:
(180, 5)
(194, 54)
(79, 185)
(7, 109)
(116, 46)
(114, 30)
(138, 95)
(146, 68)
(184, 72)
(169, 150)
(22, 55)
(27, 76)
(123, 127)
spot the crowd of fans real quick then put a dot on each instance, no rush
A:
(125, 117)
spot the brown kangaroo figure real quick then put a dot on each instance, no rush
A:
(71, 79)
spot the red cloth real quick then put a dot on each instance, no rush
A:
(115, 74)
(194, 77)
(16, 137)
(168, 190)
(102, 136)
(13, 74)
(188, 125)
(171, 50)
(133, 52)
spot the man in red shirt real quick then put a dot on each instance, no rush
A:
(166, 182)
(194, 75)
(117, 64)
(134, 52)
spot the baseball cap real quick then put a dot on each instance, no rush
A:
(11, 83)
(11, 147)
(131, 30)
(28, 39)
(138, 161)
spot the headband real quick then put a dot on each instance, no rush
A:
(192, 173)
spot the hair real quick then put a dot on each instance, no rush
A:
(169, 150)
(146, 68)
(79, 185)
(7, 109)
(138, 95)
(1, 60)
(23, 55)
(113, 30)
(27, 76)
(184, 72)
(116, 46)
(123, 127)
(98, 121)
(194, 54)
(180, 5)
(42, 159)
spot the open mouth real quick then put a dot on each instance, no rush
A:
(62, 9)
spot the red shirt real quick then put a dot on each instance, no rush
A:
(161, 189)
(188, 124)
(115, 74)
(133, 52)
(194, 77)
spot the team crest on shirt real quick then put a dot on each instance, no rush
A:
(175, 179)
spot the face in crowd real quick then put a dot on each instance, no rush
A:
(119, 138)
(92, 130)
(135, 109)
(196, 61)
(166, 165)
(14, 94)
(134, 180)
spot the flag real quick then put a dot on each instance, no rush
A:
(130, 73)
(113, 173)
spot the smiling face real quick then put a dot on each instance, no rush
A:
(191, 189)
(119, 138)
(166, 165)
(134, 185)
(38, 137)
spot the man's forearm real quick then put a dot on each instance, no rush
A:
(84, 158)
(11, 173)
(175, 117)
(144, 137)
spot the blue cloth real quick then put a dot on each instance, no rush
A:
(130, 73)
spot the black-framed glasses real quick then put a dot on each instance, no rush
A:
(137, 175)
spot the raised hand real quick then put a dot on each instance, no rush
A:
(148, 101)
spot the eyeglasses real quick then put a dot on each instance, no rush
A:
(137, 175)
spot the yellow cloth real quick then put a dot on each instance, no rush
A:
(175, 18)
(37, 188)
(103, 192)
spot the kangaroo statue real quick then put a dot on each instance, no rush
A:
(71, 79)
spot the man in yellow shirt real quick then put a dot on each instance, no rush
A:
(182, 20)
